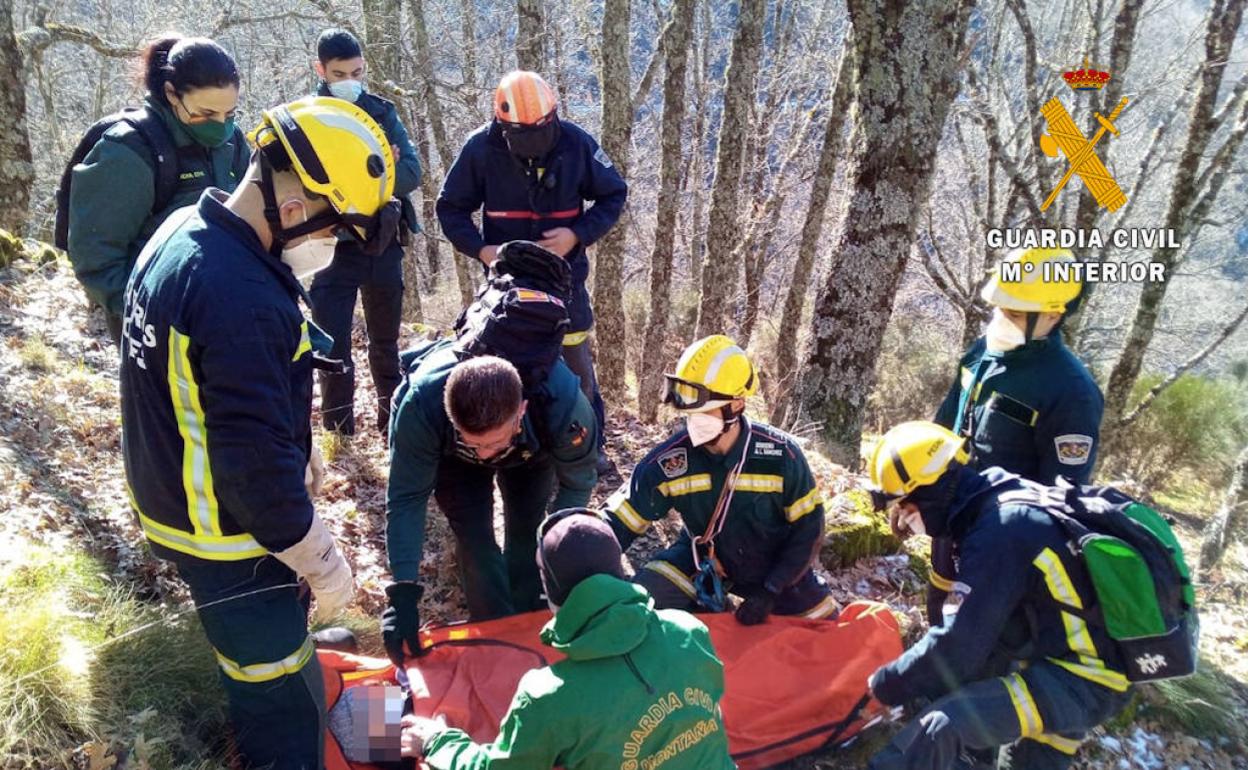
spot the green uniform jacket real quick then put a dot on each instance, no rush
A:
(774, 525)
(639, 689)
(559, 422)
(114, 188)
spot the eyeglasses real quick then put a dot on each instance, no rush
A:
(496, 446)
(195, 118)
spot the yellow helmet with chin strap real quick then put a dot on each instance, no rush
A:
(1032, 293)
(337, 151)
(914, 454)
(710, 373)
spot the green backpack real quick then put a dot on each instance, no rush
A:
(1145, 599)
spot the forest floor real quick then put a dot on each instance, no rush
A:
(62, 497)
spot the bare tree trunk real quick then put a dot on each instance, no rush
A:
(812, 231)
(675, 43)
(696, 177)
(1224, 22)
(467, 17)
(900, 121)
(719, 280)
(381, 26)
(413, 311)
(617, 132)
(530, 40)
(16, 167)
(1229, 521)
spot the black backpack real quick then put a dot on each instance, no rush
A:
(1145, 599)
(521, 311)
(164, 156)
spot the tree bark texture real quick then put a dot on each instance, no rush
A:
(16, 166)
(530, 36)
(381, 26)
(1224, 21)
(675, 43)
(787, 342)
(908, 63)
(617, 132)
(719, 277)
(1229, 521)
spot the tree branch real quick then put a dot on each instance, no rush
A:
(1183, 368)
(38, 38)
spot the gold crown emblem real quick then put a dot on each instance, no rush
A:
(1086, 78)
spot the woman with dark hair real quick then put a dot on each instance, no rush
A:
(153, 161)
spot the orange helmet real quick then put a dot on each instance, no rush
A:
(524, 98)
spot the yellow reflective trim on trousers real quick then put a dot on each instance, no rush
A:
(201, 499)
(804, 505)
(685, 485)
(675, 576)
(1029, 721)
(760, 482)
(1064, 745)
(1094, 670)
(575, 338)
(305, 342)
(628, 515)
(821, 610)
(1055, 577)
(940, 582)
(210, 547)
(267, 672)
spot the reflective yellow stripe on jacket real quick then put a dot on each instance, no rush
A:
(1089, 665)
(804, 505)
(201, 499)
(305, 342)
(686, 485)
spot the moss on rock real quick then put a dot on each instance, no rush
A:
(855, 530)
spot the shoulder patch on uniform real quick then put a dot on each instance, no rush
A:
(602, 157)
(674, 462)
(1073, 448)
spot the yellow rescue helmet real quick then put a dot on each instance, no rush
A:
(1032, 293)
(914, 454)
(337, 151)
(711, 372)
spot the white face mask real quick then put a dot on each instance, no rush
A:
(310, 257)
(1002, 334)
(704, 427)
(347, 90)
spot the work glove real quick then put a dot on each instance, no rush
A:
(756, 607)
(317, 560)
(400, 622)
(314, 473)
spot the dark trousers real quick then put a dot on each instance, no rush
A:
(269, 669)
(1039, 716)
(379, 282)
(668, 576)
(496, 582)
(580, 360)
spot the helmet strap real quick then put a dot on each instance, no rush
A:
(1030, 330)
(272, 212)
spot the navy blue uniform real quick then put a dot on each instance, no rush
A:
(216, 394)
(1024, 598)
(379, 282)
(771, 532)
(519, 203)
(1034, 410)
(557, 444)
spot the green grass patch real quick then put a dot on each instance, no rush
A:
(86, 664)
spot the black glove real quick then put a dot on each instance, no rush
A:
(401, 621)
(756, 607)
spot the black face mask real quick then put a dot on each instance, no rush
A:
(531, 143)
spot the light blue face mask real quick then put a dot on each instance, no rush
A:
(347, 90)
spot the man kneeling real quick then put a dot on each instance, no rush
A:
(1017, 666)
(639, 687)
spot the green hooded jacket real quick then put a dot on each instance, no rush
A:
(639, 689)
(113, 191)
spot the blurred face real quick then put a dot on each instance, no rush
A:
(203, 105)
(335, 70)
(494, 443)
